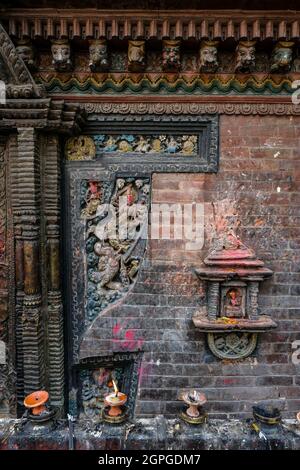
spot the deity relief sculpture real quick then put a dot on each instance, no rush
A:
(208, 56)
(282, 57)
(136, 55)
(171, 55)
(245, 57)
(26, 51)
(80, 148)
(178, 144)
(98, 55)
(233, 302)
(115, 229)
(61, 55)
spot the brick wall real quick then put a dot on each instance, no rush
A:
(259, 178)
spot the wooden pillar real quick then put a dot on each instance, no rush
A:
(52, 206)
(29, 189)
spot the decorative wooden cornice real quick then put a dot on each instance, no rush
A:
(155, 105)
(137, 24)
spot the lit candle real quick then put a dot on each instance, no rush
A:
(115, 388)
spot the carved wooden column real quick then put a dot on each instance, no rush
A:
(7, 375)
(52, 202)
(29, 217)
(213, 299)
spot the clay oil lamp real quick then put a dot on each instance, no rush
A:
(114, 413)
(38, 411)
(193, 399)
(36, 402)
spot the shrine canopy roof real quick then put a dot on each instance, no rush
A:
(231, 258)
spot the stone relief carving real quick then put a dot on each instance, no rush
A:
(98, 55)
(61, 55)
(245, 56)
(282, 56)
(115, 237)
(208, 56)
(136, 55)
(237, 345)
(171, 55)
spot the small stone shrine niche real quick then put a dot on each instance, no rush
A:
(231, 317)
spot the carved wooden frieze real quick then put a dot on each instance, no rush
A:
(147, 144)
(188, 24)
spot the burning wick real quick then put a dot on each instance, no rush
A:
(193, 396)
(115, 388)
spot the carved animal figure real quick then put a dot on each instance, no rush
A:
(282, 56)
(208, 56)
(136, 52)
(61, 56)
(26, 52)
(98, 55)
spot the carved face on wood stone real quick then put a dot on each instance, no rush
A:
(282, 56)
(208, 57)
(98, 55)
(26, 51)
(171, 55)
(61, 56)
(136, 54)
(245, 56)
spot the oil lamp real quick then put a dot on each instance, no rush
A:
(194, 399)
(38, 410)
(35, 402)
(113, 413)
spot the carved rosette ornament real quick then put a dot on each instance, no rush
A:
(98, 55)
(136, 55)
(282, 57)
(230, 316)
(171, 55)
(208, 56)
(245, 57)
(61, 55)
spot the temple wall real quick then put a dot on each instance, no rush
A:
(258, 179)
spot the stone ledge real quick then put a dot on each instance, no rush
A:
(152, 434)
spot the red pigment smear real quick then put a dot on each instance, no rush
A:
(116, 329)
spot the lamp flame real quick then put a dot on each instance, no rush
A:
(115, 388)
